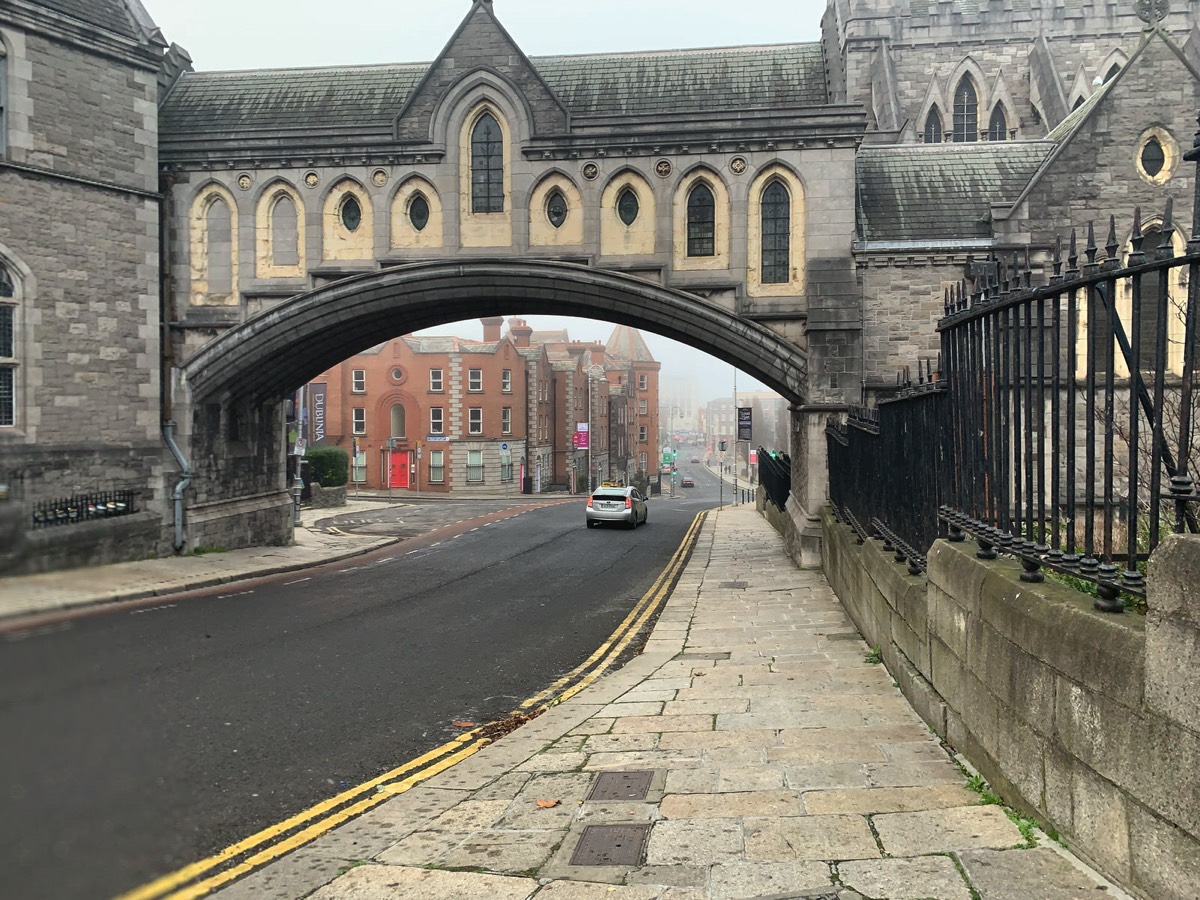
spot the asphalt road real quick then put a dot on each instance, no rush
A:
(143, 740)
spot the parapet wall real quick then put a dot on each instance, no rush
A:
(1088, 721)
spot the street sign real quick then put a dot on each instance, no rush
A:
(504, 446)
(301, 447)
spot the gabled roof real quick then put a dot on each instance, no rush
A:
(370, 97)
(114, 16)
(940, 192)
(628, 343)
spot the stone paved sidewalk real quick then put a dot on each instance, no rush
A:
(767, 758)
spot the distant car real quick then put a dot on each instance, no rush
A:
(695, 459)
(622, 505)
(687, 482)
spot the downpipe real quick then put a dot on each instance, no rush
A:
(181, 486)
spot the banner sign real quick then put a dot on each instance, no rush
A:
(745, 423)
(318, 413)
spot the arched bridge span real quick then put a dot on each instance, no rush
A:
(281, 349)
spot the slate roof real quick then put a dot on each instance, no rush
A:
(591, 85)
(943, 192)
(109, 15)
(628, 343)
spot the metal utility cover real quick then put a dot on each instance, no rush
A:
(610, 845)
(621, 786)
(735, 585)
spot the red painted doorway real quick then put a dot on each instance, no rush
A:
(400, 468)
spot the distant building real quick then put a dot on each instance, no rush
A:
(519, 411)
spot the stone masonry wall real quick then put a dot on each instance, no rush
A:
(1088, 721)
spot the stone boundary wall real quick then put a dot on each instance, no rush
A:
(97, 543)
(1089, 722)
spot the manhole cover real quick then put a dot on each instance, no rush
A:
(735, 585)
(610, 845)
(621, 786)
(718, 654)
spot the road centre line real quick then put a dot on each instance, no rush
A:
(283, 837)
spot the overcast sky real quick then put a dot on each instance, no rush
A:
(254, 34)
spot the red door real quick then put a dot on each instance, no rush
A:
(400, 464)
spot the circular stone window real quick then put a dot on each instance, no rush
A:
(397, 374)
(351, 213)
(627, 207)
(1157, 156)
(418, 212)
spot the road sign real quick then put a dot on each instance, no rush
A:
(504, 446)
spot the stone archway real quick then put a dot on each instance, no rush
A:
(238, 474)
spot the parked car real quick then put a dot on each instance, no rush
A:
(695, 459)
(623, 505)
(687, 482)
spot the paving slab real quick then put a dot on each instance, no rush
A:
(1021, 874)
(887, 800)
(740, 880)
(374, 882)
(921, 878)
(693, 842)
(810, 837)
(943, 830)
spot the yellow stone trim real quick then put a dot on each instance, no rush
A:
(338, 241)
(617, 238)
(264, 247)
(198, 249)
(484, 229)
(404, 235)
(541, 232)
(721, 228)
(795, 188)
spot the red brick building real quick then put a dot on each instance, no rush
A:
(517, 411)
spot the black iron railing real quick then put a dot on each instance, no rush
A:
(1060, 425)
(775, 475)
(83, 508)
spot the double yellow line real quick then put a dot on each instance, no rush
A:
(245, 856)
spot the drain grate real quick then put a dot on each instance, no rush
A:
(610, 845)
(621, 786)
(843, 636)
(735, 585)
(716, 654)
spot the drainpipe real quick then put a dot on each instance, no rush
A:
(177, 494)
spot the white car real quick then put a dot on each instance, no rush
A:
(624, 505)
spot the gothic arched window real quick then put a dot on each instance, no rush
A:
(8, 350)
(218, 222)
(933, 126)
(1112, 72)
(285, 232)
(487, 166)
(701, 221)
(998, 125)
(776, 234)
(556, 208)
(418, 212)
(966, 111)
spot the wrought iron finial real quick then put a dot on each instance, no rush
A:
(1166, 249)
(1057, 258)
(1110, 245)
(1073, 255)
(1137, 257)
(946, 307)
(1028, 270)
(1091, 248)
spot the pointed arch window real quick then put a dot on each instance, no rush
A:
(1112, 72)
(285, 232)
(3, 103)
(418, 212)
(219, 227)
(556, 208)
(627, 206)
(998, 125)
(1078, 103)
(8, 350)
(487, 166)
(776, 234)
(933, 126)
(701, 221)
(966, 111)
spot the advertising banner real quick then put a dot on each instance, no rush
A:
(745, 423)
(318, 413)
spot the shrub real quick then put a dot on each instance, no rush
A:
(330, 466)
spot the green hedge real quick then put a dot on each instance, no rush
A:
(330, 466)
